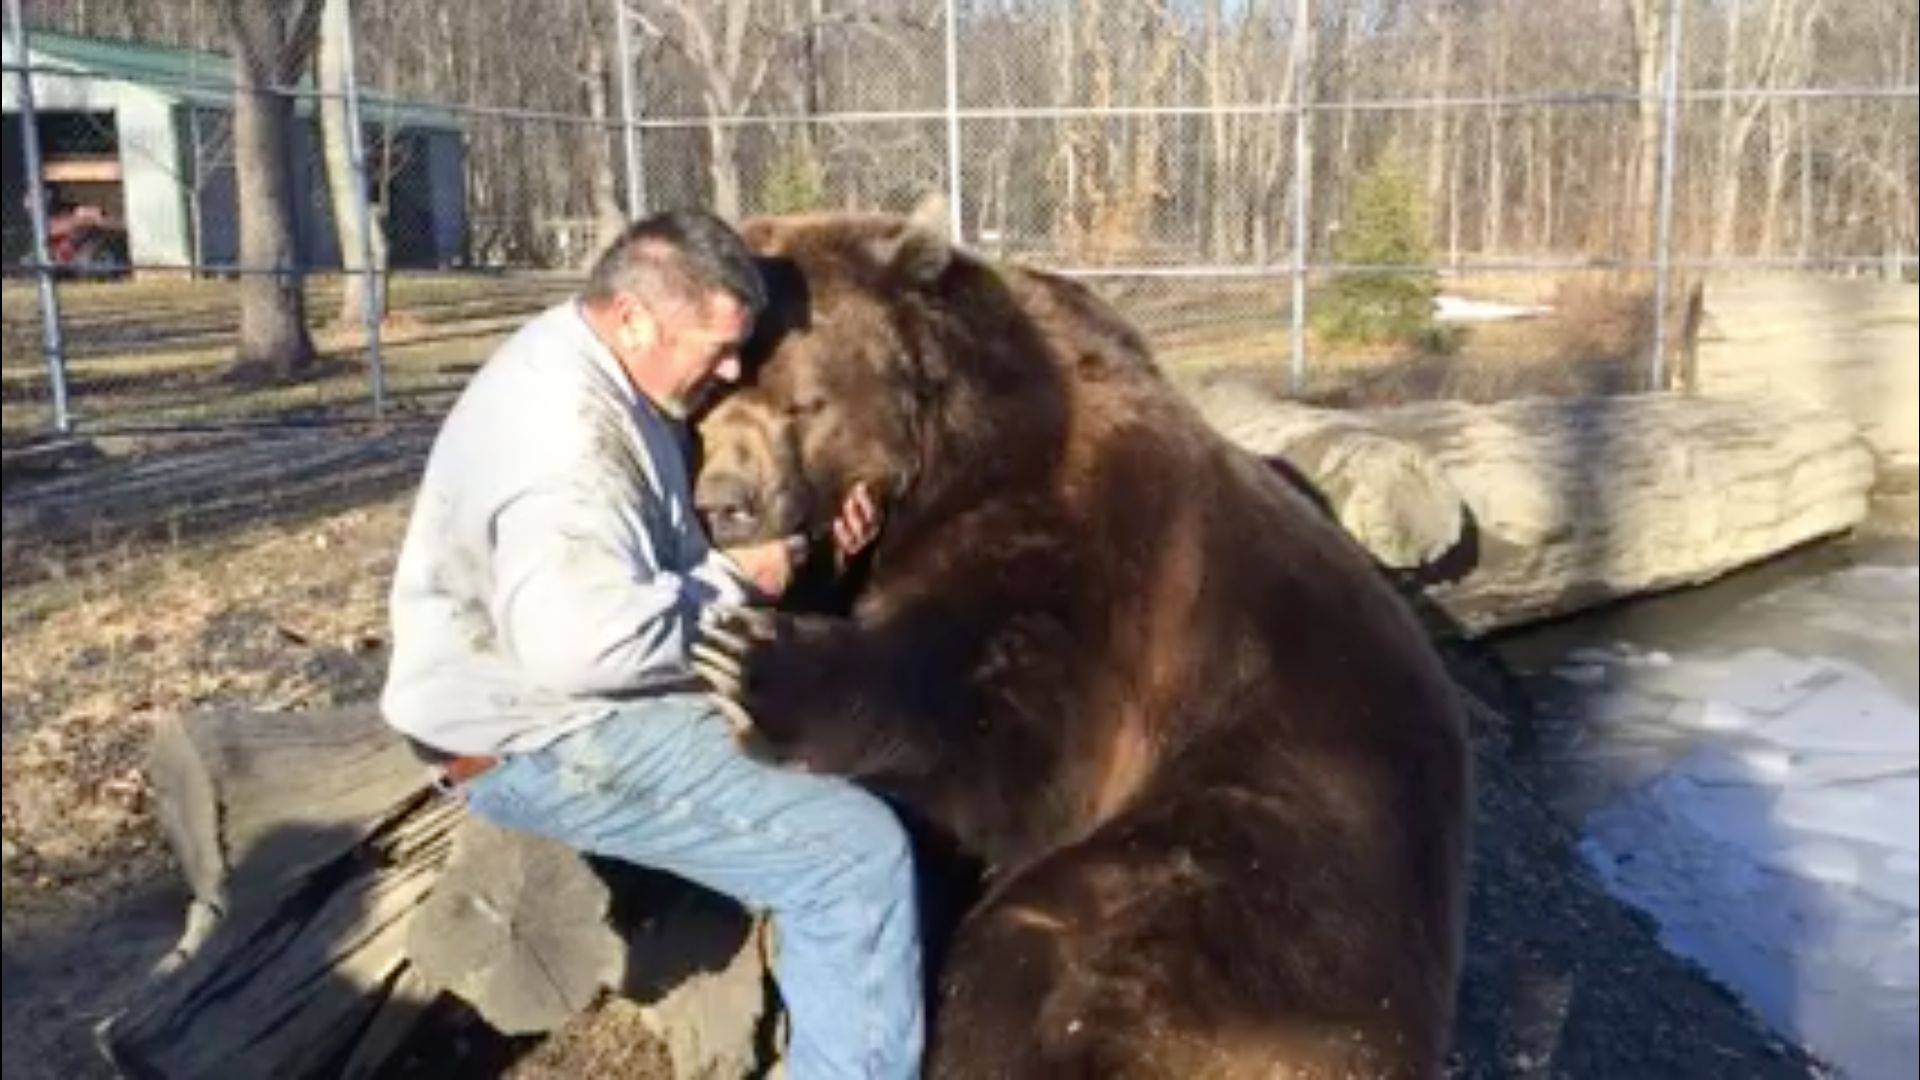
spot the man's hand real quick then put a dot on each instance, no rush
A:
(857, 524)
(770, 565)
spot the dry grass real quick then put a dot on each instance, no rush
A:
(267, 618)
(156, 352)
(1593, 342)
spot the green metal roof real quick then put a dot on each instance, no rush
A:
(203, 78)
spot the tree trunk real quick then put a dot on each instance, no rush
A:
(1066, 209)
(1780, 152)
(306, 841)
(723, 169)
(1733, 138)
(1455, 155)
(1495, 200)
(1803, 242)
(1737, 119)
(1220, 139)
(1549, 222)
(1648, 21)
(1530, 188)
(1343, 171)
(608, 216)
(268, 47)
(331, 76)
(1439, 81)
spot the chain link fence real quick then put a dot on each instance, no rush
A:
(1366, 203)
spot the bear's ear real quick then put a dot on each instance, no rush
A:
(932, 214)
(920, 251)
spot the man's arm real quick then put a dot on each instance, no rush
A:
(725, 579)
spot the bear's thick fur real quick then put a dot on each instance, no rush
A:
(1217, 774)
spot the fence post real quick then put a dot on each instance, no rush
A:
(629, 129)
(956, 214)
(1663, 228)
(1302, 192)
(51, 341)
(357, 159)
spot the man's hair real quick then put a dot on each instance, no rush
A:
(678, 255)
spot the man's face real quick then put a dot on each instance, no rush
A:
(689, 346)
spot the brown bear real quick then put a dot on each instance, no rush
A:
(1217, 772)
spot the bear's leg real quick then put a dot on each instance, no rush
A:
(1193, 936)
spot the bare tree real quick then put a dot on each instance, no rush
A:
(1745, 65)
(356, 237)
(608, 215)
(730, 53)
(1220, 92)
(1647, 25)
(271, 41)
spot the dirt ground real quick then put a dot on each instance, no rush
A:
(288, 613)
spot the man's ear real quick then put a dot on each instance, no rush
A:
(638, 328)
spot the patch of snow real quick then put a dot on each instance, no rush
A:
(1461, 309)
(1778, 844)
(1581, 674)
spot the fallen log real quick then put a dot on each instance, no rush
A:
(335, 894)
(1395, 500)
(1562, 504)
(311, 981)
(251, 802)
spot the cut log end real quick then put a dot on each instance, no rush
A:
(517, 927)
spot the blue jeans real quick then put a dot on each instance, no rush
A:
(664, 784)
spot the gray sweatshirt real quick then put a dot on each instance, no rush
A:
(553, 563)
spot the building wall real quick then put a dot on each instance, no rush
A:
(447, 183)
(153, 166)
(152, 158)
(216, 195)
(176, 164)
(16, 232)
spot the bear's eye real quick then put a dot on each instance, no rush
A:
(803, 407)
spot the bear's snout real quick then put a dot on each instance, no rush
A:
(729, 508)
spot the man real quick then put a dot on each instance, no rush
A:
(548, 591)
